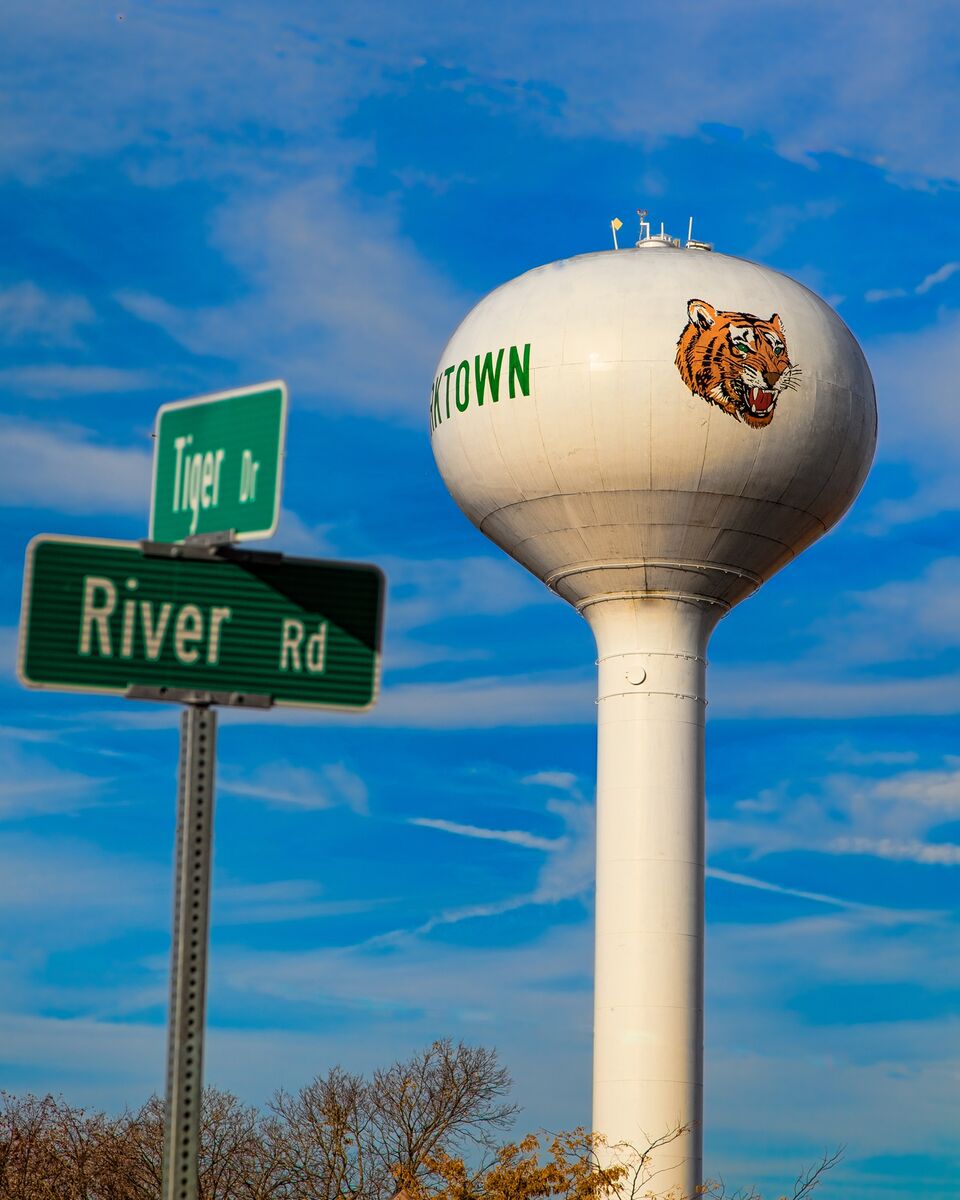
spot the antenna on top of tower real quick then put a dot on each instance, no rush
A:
(694, 245)
(653, 239)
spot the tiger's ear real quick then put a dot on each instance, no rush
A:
(701, 313)
(778, 325)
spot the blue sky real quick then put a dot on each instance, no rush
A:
(195, 197)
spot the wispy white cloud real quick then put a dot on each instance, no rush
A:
(896, 116)
(564, 780)
(881, 1087)
(33, 786)
(490, 702)
(940, 275)
(852, 757)
(566, 874)
(899, 850)
(513, 837)
(874, 1088)
(757, 1039)
(279, 901)
(917, 430)
(30, 314)
(45, 381)
(298, 537)
(938, 790)
(425, 590)
(876, 912)
(455, 915)
(389, 984)
(779, 221)
(878, 295)
(388, 1001)
(817, 997)
(61, 896)
(569, 871)
(386, 1005)
(377, 294)
(423, 593)
(763, 693)
(478, 702)
(121, 1063)
(407, 652)
(28, 734)
(285, 785)
(58, 892)
(63, 468)
(902, 620)
(893, 817)
(142, 717)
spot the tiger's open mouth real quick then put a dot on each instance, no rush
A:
(754, 400)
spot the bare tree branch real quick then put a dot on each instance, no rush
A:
(424, 1129)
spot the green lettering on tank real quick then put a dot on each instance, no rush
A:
(488, 375)
(519, 373)
(487, 371)
(463, 395)
(447, 373)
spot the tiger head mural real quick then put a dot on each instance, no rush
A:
(736, 361)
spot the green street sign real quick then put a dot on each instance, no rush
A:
(218, 464)
(105, 616)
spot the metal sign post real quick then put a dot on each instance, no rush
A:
(189, 617)
(200, 625)
(188, 972)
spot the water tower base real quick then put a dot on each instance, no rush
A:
(648, 1009)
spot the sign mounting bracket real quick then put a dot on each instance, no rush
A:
(207, 550)
(137, 691)
(221, 537)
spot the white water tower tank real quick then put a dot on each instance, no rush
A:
(653, 432)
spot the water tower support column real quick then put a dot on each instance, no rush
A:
(648, 1006)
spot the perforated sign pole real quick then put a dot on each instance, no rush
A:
(199, 623)
(188, 975)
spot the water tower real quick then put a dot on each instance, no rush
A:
(653, 432)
